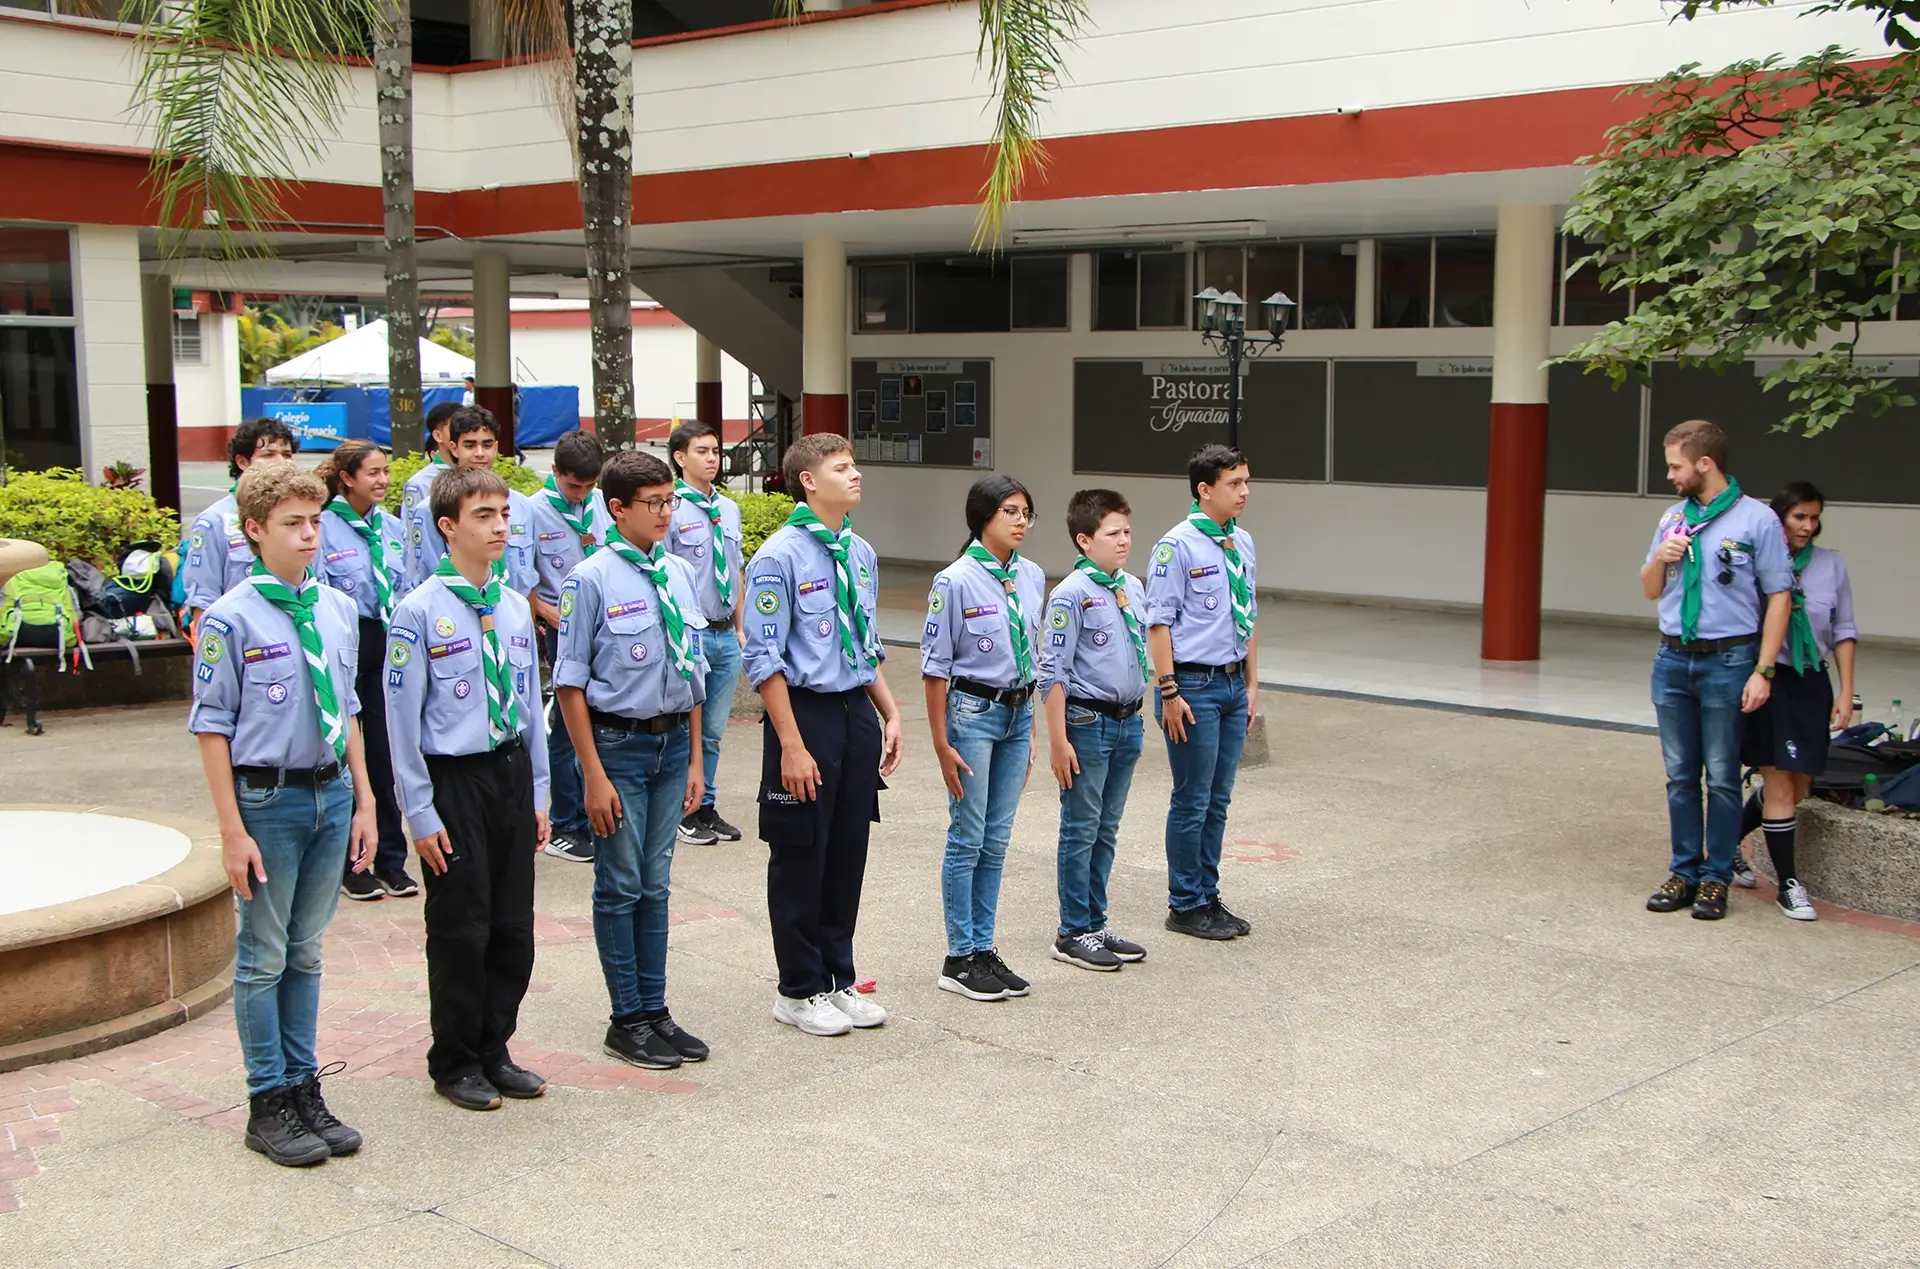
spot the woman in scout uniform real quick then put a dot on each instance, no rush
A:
(978, 658)
(1093, 680)
(273, 708)
(629, 680)
(470, 763)
(1201, 609)
(360, 557)
(1786, 738)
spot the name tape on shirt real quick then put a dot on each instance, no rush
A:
(519, 641)
(271, 652)
(556, 537)
(818, 583)
(1207, 570)
(344, 553)
(1093, 601)
(981, 610)
(438, 650)
(214, 623)
(631, 608)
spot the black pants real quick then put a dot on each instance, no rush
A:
(479, 912)
(818, 854)
(370, 687)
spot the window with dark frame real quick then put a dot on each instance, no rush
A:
(1403, 282)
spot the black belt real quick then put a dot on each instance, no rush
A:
(274, 777)
(659, 725)
(1014, 696)
(1707, 645)
(511, 744)
(1195, 667)
(1119, 713)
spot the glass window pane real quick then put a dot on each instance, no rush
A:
(1223, 269)
(1271, 269)
(35, 279)
(1588, 304)
(1403, 269)
(1116, 290)
(883, 298)
(1463, 281)
(961, 293)
(1164, 297)
(1039, 292)
(1328, 277)
(40, 397)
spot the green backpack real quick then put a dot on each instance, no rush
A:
(38, 609)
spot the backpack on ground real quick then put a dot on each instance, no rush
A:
(1853, 756)
(38, 609)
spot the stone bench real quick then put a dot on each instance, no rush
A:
(1859, 859)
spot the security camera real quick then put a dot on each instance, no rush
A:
(1348, 110)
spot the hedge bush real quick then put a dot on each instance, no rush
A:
(75, 520)
(525, 479)
(760, 515)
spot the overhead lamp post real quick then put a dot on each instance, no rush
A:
(1223, 328)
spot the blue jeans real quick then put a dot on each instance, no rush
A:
(302, 836)
(723, 669)
(568, 791)
(1204, 765)
(631, 868)
(1697, 698)
(995, 741)
(1090, 812)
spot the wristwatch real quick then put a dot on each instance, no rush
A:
(1764, 671)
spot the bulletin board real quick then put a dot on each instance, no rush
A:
(923, 412)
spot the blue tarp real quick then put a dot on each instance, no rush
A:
(547, 412)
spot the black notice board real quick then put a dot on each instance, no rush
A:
(1593, 433)
(1412, 422)
(924, 411)
(1145, 418)
(1862, 460)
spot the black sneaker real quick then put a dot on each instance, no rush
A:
(1200, 923)
(640, 1044)
(717, 826)
(575, 848)
(969, 976)
(694, 831)
(1675, 893)
(516, 1081)
(688, 1045)
(362, 886)
(396, 882)
(321, 1122)
(1122, 949)
(469, 1092)
(1240, 924)
(275, 1129)
(1015, 985)
(1711, 904)
(1088, 951)
(1743, 871)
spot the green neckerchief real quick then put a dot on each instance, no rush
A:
(1800, 641)
(298, 604)
(709, 503)
(854, 641)
(1239, 594)
(581, 524)
(503, 708)
(653, 565)
(1118, 585)
(438, 459)
(1692, 568)
(1007, 576)
(372, 529)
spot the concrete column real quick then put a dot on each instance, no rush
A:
(1080, 293)
(823, 337)
(708, 405)
(1517, 453)
(107, 298)
(1365, 284)
(163, 411)
(493, 340)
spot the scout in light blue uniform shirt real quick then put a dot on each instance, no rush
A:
(425, 546)
(345, 564)
(1187, 592)
(1828, 595)
(218, 557)
(1088, 647)
(967, 632)
(413, 497)
(558, 550)
(613, 644)
(434, 655)
(250, 678)
(690, 536)
(1744, 541)
(792, 628)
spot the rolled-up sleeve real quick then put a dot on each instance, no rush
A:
(1166, 584)
(573, 648)
(1059, 640)
(216, 681)
(936, 638)
(770, 593)
(1843, 623)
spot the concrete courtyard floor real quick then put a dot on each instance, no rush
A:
(1454, 1038)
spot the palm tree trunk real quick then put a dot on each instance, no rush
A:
(393, 80)
(603, 97)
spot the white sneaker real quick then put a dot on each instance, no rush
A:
(860, 1011)
(816, 1015)
(1796, 902)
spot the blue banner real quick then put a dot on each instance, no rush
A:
(546, 412)
(319, 425)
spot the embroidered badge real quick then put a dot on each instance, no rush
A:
(402, 632)
(334, 557)
(1212, 602)
(767, 602)
(1207, 570)
(985, 644)
(1100, 638)
(1059, 618)
(933, 630)
(418, 537)
(818, 583)
(936, 602)
(1163, 553)
(198, 539)
(444, 627)
(631, 608)
(398, 655)
(638, 652)
(269, 652)
(214, 623)
(768, 630)
(203, 672)
(395, 678)
(556, 561)
(437, 650)
(211, 647)
(1057, 640)
(866, 578)
(277, 693)
(555, 537)
(1159, 570)
(348, 585)
(460, 689)
(519, 641)
(981, 610)
(1092, 601)
(517, 530)
(825, 627)
(566, 602)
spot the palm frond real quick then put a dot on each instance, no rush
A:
(533, 29)
(1023, 45)
(237, 92)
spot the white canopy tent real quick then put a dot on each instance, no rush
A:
(360, 358)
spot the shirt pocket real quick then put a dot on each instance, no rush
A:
(526, 683)
(273, 677)
(456, 677)
(817, 613)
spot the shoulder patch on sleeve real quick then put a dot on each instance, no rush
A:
(767, 602)
(1060, 616)
(401, 632)
(1163, 553)
(215, 624)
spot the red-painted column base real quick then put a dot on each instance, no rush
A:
(1516, 533)
(823, 412)
(706, 404)
(500, 402)
(163, 445)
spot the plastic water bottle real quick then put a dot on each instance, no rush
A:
(1874, 801)
(1897, 729)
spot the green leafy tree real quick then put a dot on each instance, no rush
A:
(1768, 204)
(265, 341)
(75, 520)
(454, 338)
